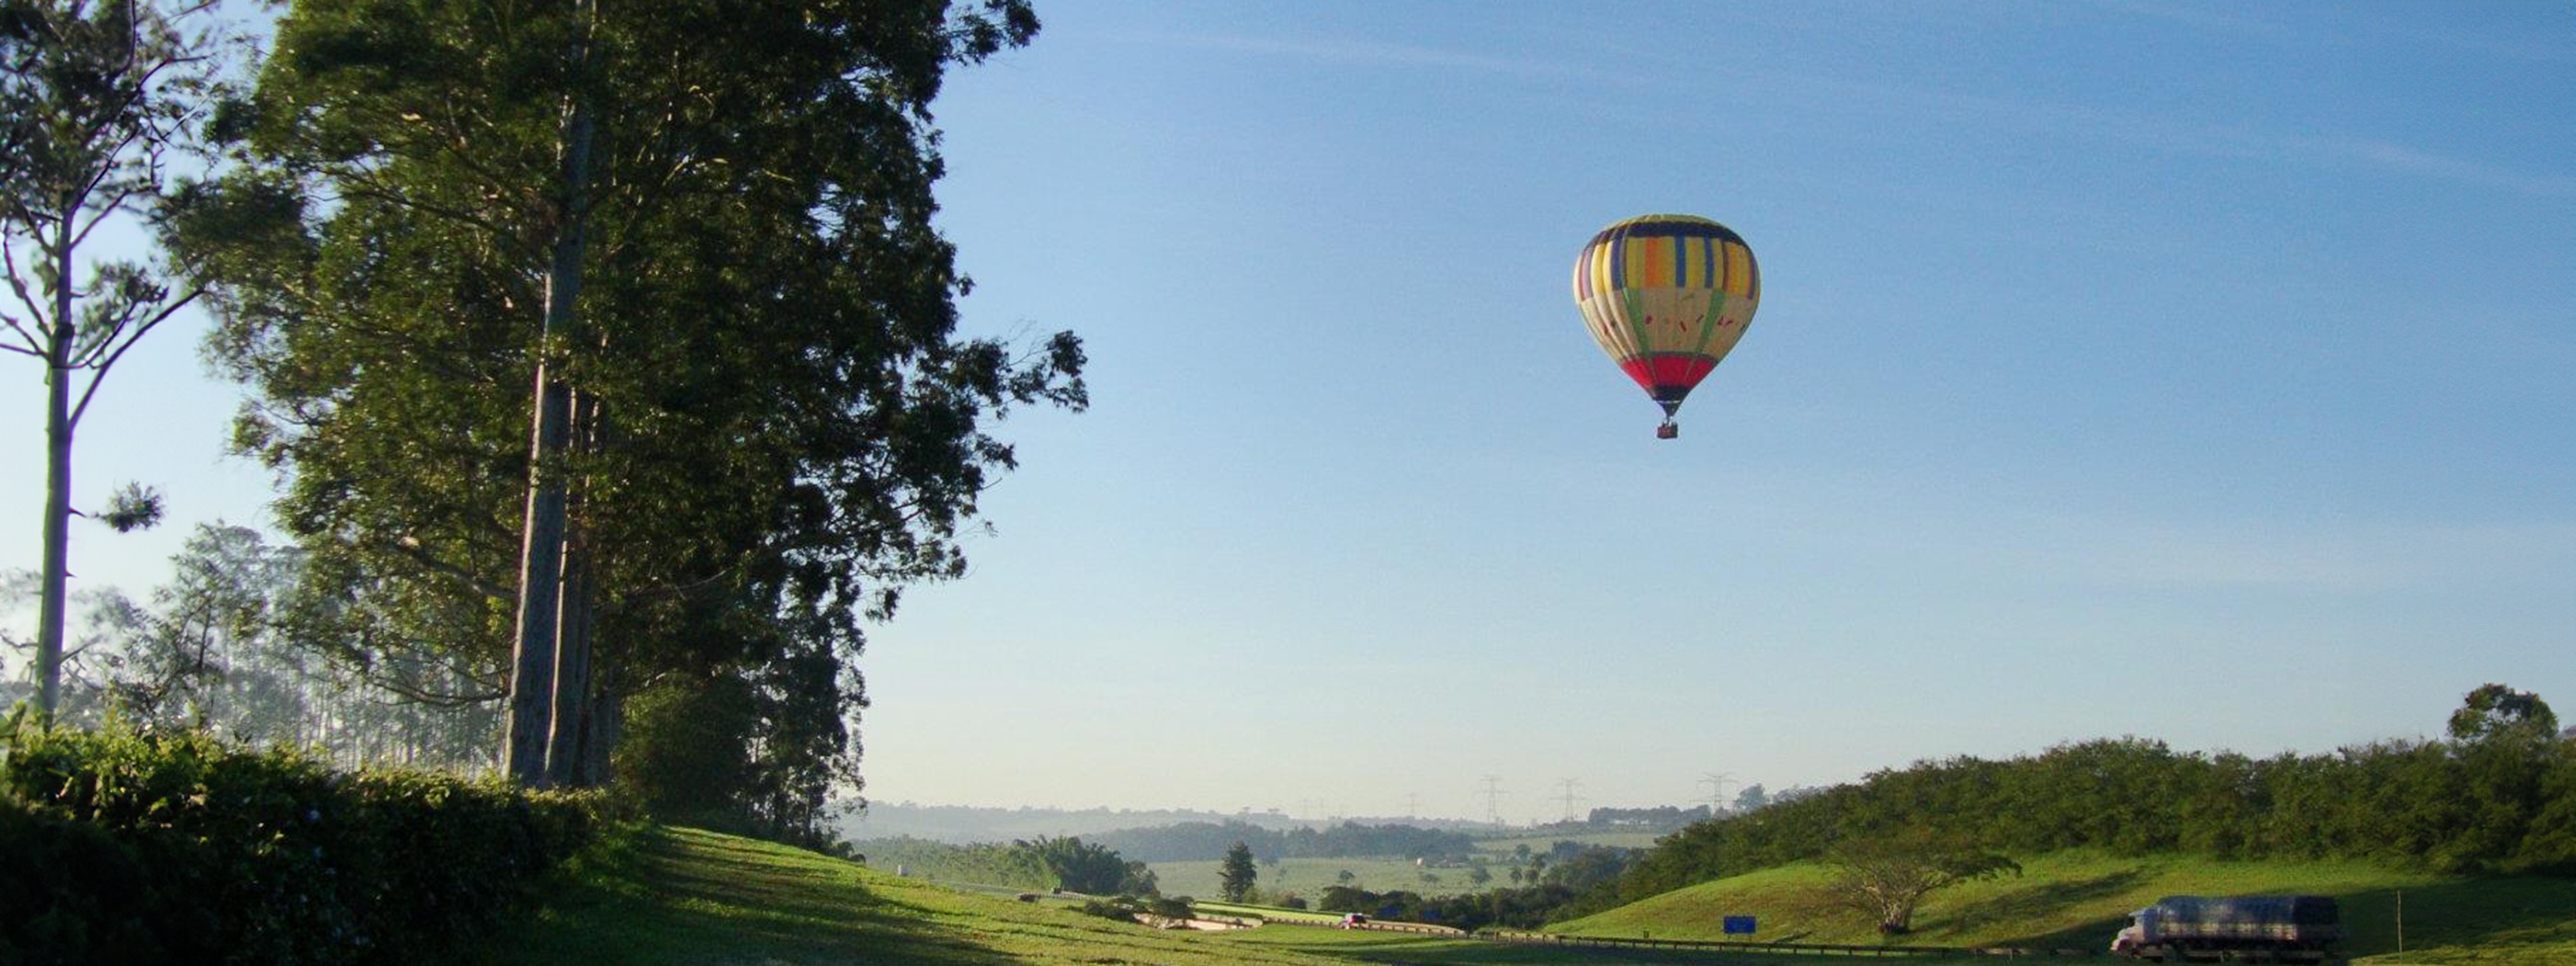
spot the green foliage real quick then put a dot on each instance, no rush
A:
(132, 507)
(979, 864)
(257, 857)
(1079, 866)
(1888, 876)
(1236, 874)
(1118, 908)
(686, 757)
(783, 424)
(1046, 862)
(2495, 713)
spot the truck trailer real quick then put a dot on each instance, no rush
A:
(2238, 928)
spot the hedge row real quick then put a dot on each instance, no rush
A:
(171, 846)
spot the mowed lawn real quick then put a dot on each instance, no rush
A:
(2077, 900)
(682, 897)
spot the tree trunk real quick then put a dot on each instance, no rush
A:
(58, 481)
(607, 723)
(572, 633)
(538, 644)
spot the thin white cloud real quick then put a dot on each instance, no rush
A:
(2155, 132)
(2398, 157)
(2208, 140)
(1370, 52)
(2243, 20)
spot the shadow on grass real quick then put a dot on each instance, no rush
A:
(660, 896)
(2534, 913)
(2050, 901)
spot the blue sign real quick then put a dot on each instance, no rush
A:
(1739, 925)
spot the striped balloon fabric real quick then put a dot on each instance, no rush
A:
(1667, 296)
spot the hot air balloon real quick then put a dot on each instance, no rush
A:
(1667, 296)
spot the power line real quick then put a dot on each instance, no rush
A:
(1716, 782)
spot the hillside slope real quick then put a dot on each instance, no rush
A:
(682, 897)
(2078, 899)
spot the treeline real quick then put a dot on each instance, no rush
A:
(963, 824)
(2498, 796)
(1197, 841)
(1067, 863)
(1658, 817)
(212, 649)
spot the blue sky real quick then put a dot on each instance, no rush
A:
(2193, 371)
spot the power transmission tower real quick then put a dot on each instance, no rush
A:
(1413, 805)
(1493, 799)
(1569, 784)
(1716, 782)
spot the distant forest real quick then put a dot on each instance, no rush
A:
(968, 824)
(1193, 841)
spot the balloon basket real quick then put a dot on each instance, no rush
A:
(1667, 431)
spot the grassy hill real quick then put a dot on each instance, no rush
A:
(2078, 899)
(681, 897)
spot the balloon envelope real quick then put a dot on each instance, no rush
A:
(1667, 296)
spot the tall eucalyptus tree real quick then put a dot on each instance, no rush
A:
(709, 224)
(94, 97)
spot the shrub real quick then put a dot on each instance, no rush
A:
(170, 845)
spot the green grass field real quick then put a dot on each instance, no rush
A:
(2079, 899)
(1308, 877)
(680, 897)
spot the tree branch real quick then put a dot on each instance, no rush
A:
(136, 336)
(409, 547)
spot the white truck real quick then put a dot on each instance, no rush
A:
(2235, 928)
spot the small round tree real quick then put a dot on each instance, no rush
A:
(1235, 877)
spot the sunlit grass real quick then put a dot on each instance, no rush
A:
(2077, 900)
(681, 897)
